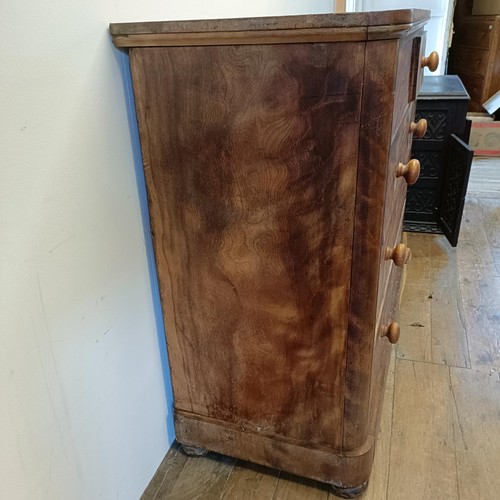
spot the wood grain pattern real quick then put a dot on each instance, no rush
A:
(258, 37)
(242, 37)
(376, 125)
(364, 19)
(405, 81)
(418, 272)
(475, 57)
(269, 218)
(296, 488)
(484, 183)
(445, 420)
(394, 201)
(166, 475)
(251, 481)
(491, 223)
(475, 250)
(432, 313)
(415, 320)
(253, 179)
(213, 468)
(480, 292)
(382, 349)
(377, 487)
(423, 421)
(348, 469)
(478, 32)
(449, 335)
(471, 60)
(475, 88)
(477, 413)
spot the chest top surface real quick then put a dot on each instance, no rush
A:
(357, 26)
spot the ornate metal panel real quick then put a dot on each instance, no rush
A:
(421, 200)
(422, 227)
(430, 163)
(436, 123)
(455, 187)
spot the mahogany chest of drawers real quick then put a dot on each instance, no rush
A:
(275, 155)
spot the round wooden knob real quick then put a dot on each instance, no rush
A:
(400, 254)
(419, 129)
(410, 171)
(431, 61)
(392, 332)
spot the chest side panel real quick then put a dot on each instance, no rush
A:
(250, 157)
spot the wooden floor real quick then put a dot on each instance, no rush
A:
(440, 430)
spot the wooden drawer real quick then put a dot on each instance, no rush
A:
(474, 34)
(395, 191)
(387, 268)
(408, 78)
(474, 85)
(382, 348)
(471, 60)
(389, 304)
(420, 70)
(395, 195)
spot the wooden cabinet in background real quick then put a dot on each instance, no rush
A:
(475, 57)
(276, 159)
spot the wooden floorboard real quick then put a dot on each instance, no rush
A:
(422, 462)
(477, 439)
(377, 487)
(440, 428)
(484, 179)
(415, 321)
(201, 478)
(166, 476)
(251, 481)
(490, 212)
(291, 487)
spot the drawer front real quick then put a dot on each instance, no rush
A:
(420, 74)
(474, 85)
(395, 195)
(389, 304)
(471, 60)
(390, 66)
(405, 89)
(395, 191)
(387, 266)
(382, 348)
(474, 34)
(408, 78)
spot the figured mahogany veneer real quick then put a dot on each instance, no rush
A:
(270, 150)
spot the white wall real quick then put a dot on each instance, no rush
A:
(437, 28)
(84, 390)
